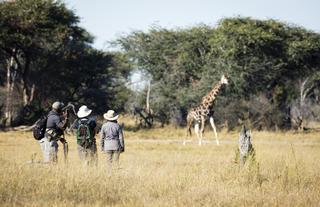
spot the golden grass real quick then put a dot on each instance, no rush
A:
(169, 132)
(286, 173)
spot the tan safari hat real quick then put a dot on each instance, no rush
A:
(111, 115)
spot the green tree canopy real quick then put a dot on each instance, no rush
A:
(49, 57)
(259, 57)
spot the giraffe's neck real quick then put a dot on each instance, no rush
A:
(211, 96)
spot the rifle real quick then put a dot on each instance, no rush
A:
(68, 108)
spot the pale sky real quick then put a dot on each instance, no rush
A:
(108, 19)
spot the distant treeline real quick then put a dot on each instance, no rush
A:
(272, 67)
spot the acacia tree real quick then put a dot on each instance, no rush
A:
(304, 57)
(52, 59)
(252, 52)
(83, 76)
(265, 59)
(30, 29)
(175, 59)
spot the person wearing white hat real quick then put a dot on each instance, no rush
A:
(111, 137)
(54, 131)
(86, 130)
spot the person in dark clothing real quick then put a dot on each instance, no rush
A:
(54, 131)
(111, 137)
(86, 142)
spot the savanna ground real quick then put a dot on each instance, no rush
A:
(157, 170)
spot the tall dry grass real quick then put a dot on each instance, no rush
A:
(285, 173)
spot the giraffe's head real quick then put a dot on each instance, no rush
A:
(224, 80)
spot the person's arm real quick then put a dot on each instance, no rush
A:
(76, 125)
(102, 137)
(94, 127)
(63, 125)
(121, 139)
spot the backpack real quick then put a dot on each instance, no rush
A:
(40, 128)
(84, 135)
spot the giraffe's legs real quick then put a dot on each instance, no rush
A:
(189, 123)
(196, 130)
(201, 129)
(214, 129)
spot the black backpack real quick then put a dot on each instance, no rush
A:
(40, 128)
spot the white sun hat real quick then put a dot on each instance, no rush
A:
(111, 115)
(84, 111)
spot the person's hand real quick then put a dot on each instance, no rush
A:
(102, 151)
(121, 149)
(65, 114)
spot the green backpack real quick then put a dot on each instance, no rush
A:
(84, 136)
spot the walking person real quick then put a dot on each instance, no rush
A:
(54, 131)
(111, 138)
(86, 142)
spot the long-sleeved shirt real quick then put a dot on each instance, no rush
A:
(111, 136)
(54, 122)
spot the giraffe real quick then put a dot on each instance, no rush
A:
(202, 111)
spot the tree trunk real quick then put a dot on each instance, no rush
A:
(27, 92)
(148, 97)
(304, 91)
(11, 76)
(148, 109)
(27, 88)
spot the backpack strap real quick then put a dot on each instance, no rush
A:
(80, 121)
(88, 124)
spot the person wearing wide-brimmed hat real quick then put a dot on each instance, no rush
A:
(54, 131)
(87, 148)
(111, 137)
